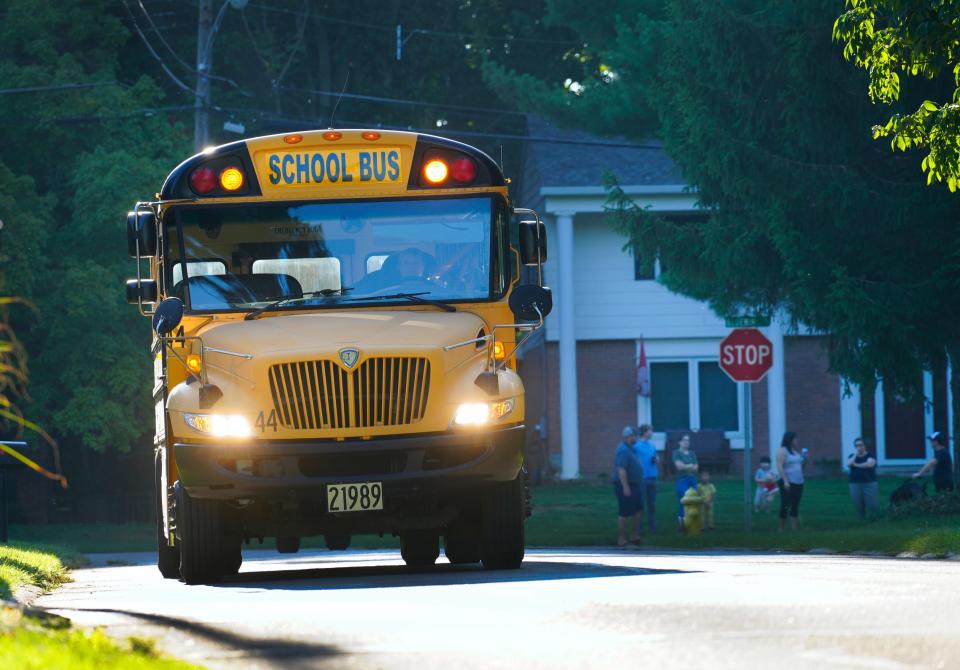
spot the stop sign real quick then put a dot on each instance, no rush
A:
(746, 355)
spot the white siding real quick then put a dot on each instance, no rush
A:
(611, 304)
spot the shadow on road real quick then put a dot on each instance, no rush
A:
(266, 648)
(393, 576)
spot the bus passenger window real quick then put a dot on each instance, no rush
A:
(314, 274)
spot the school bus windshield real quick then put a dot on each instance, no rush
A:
(334, 254)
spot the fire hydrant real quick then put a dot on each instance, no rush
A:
(692, 511)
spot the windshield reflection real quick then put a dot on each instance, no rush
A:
(244, 257)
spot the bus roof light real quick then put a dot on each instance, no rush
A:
(435, 171)
(203, 180)
(332, 136)
(463, 170)
(296, 138)
(371, 136)
(231, 179)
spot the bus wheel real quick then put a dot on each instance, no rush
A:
(288, 545)
(168, 558)
(461, 543)
(337, 541)
(502, 526)
(201, 535)
(232, 555)
(419, 547)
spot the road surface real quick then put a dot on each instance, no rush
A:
(575, 608)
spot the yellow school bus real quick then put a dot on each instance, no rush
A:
(336, 315)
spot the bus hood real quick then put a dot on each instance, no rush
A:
(309, 334)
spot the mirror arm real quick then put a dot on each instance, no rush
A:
(136, 212)
(529, 328)
(525, 210)
(166, 339)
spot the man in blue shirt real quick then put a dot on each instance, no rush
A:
(627, 484)
(649, 461)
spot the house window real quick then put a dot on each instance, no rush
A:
(692, 395)
(718, 398)
(643, 267)
(670, 397)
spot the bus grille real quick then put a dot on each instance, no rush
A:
(385, 391)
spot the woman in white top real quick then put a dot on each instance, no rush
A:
(790, 466)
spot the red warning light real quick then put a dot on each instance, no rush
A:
(463, 170)
(203, 180)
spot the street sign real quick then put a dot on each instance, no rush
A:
(747, 321)
(746, 355)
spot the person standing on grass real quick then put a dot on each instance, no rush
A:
(941, 464)
(863, 479)
(627, 484)
(790, 466)
(685, 463)
(647, 452)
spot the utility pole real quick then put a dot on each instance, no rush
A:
(201, 121)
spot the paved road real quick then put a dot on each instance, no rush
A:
(564, 609)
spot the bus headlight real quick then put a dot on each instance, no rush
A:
(219, 425)
(481, 413)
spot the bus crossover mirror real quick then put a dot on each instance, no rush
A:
(141, 233)
(531, 302)
(533, 242)
(167, 316)
(141, 290)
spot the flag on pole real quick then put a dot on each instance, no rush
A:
(643, 373)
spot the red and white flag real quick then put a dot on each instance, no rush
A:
(643, 373)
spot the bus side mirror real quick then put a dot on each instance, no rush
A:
(533, 242)
(167, 316)
(142, 228)
(531, 302)
(141, 290)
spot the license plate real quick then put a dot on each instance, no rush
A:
(354, 497)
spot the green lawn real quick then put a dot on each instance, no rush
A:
(579, 513)
(32, 642)
(584, 513)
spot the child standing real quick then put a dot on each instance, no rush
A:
(766, 480)
(708, 492)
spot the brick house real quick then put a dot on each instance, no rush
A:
(582, 378)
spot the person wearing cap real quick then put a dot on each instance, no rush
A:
(627, 486)
(941, 464)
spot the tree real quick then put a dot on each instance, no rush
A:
(807, 216)
(920, 40)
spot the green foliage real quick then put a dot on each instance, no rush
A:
(917, 39)
(802, 214)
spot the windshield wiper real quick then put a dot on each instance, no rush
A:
(412, 297)
(277, 302)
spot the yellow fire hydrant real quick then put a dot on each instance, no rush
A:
(692, 511)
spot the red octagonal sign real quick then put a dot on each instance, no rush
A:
(746, 355)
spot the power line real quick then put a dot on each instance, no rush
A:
(183, 63)
(156, 56)
(59, 87)
(269, 117)
(401, 101)
(421, 31)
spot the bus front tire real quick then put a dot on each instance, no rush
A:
(502, 521)
(200, 531)
(420, 548)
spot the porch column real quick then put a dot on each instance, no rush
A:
(776, 391)
(850, 426)
(569, 407)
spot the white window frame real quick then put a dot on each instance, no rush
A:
(645, 405)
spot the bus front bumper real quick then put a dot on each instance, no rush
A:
(302, 469)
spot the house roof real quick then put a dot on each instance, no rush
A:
(558, 157)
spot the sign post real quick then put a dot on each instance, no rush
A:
(746, 355)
